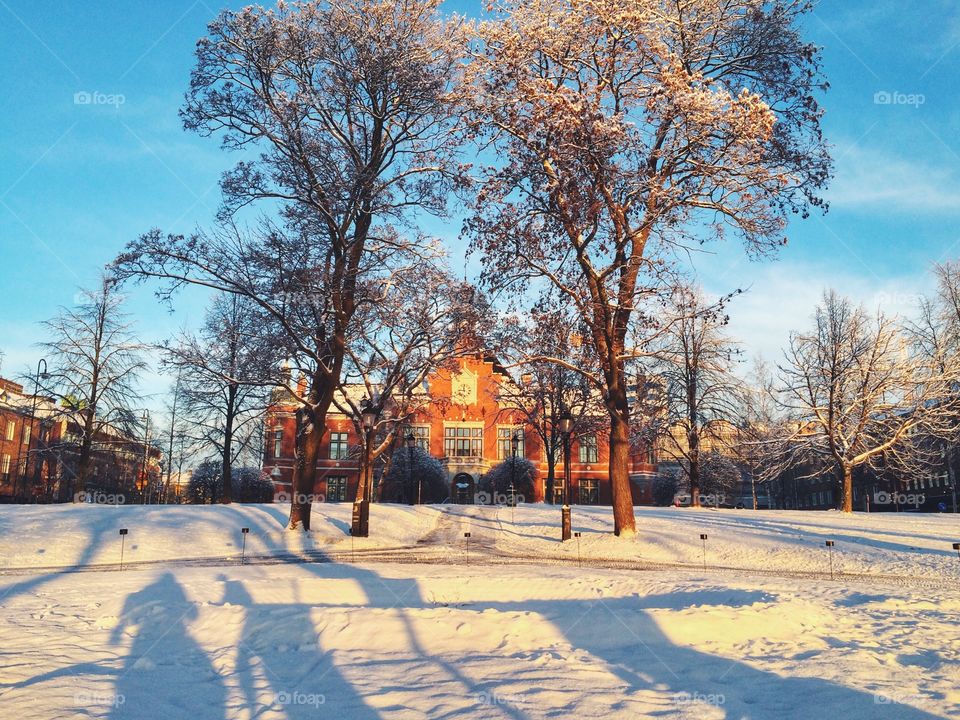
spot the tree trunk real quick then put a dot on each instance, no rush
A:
(226, 472)
(624, 523)
(694, 472)
(86, 450)
(306, 452)
(551, 477)
(847, 489)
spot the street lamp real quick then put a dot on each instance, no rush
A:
(411, 441)
(360, 527)
(514, 444)
(33, 415)
(565, 423)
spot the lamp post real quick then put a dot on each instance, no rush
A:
(411, 441)
(514, 444)
(33, 415)
(565, 422)
(360, 527)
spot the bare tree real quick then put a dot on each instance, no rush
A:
(347, 102)
(95, 362)
(421, 321)
(857, 396)
(547, 389)
(759, 427)
(694, 361)
(936, 336)
(625, 131)
(224, 373)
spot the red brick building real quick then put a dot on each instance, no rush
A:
(39, 450)
(465, 428)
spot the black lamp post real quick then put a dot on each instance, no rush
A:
(565, 423)
(33, 415)
(514, 444)
(360, 527)
(411, 441)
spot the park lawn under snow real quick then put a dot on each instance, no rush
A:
(495, 627)
(904, 544)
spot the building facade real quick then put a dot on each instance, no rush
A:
(40, 448)
(465, 427)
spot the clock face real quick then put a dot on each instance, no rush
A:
(464, 387)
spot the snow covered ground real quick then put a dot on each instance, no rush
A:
(477, 633)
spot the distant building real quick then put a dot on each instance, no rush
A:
(464, 427)
(39, 451)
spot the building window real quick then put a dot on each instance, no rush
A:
(588, 448)
(277, 443)
(505, 442)
(460, 441)
(5, 465)
(339, 449)
(421, 433)
(336, 489)
(558, 490)
(11, 428)
(589, 492)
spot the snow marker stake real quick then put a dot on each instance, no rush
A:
(579, 562)
(703, 539)
(243, 551)
(956, 546)
(466, 536)
(123, 537)
(830, 546)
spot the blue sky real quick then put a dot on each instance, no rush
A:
(78, 180)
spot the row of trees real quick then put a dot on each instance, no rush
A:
(610, 136)
(859, 389)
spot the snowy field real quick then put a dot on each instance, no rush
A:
(503, 624)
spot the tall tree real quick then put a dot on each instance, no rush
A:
(95, 362)
(420, 321)
(224, 373)
(935, 334)
(759, 427)
(857, 396)
(626, 130)
(694, 360)
(347, 102)
(546, 389)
